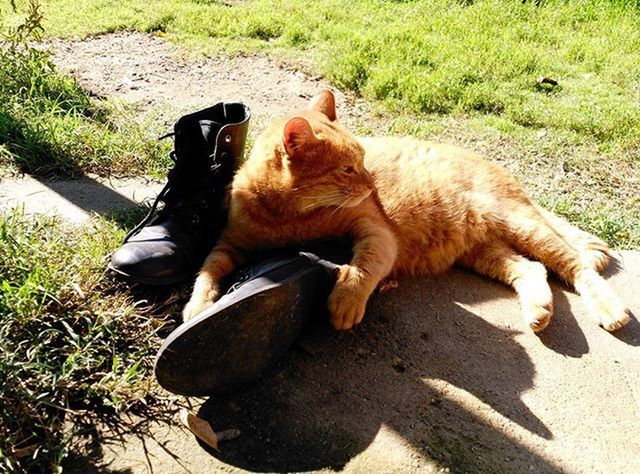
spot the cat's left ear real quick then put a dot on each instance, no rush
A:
(298, 136)
(324, 102)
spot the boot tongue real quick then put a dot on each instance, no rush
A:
(200, 153)
(210, 130)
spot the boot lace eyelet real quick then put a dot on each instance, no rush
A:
(227, 138)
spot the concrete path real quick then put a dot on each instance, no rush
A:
(75, 200)
(441, 375)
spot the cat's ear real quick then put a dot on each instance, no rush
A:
(297, 136)
(324, 102)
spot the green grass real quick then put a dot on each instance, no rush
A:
(50, 125)
(435, 56)
(73, 348)
(432, 62)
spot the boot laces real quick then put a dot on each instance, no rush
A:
(159, 198)
(190, 208)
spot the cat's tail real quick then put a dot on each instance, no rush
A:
(574, 255)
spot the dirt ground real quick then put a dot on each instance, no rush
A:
(442, 375)
(147, 71)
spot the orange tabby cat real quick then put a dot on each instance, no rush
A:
(412, 207)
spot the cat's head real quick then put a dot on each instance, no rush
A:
(323, 163)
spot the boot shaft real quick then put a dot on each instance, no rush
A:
(209, 144)
(172, 240)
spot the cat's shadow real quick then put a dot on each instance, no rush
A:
(326, 402)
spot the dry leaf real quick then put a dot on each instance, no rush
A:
(202, 429)
(388, 285)
(79, 291)
(199, 427)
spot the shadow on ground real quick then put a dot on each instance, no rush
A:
(123, 201)
(440, 375)
(328, 400)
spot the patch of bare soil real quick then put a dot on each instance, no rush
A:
(148, 71)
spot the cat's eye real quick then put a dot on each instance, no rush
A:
(348, 169)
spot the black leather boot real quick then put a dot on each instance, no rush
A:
(172, 241)
(232, 343)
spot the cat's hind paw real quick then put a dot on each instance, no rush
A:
(536, 300)
(537, 316)
(610, 314)
(603, 305)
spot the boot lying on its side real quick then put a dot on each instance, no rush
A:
(233, 342)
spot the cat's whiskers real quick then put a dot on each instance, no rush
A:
(302, 187)
(338, 207)
(323, 200)
(319, 203)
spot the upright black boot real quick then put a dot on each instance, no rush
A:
(172, 241)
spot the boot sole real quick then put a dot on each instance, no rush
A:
(236, 340)
(150, 281)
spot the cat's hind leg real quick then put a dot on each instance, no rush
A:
(497, 260)
(594, 251)
(533, 235)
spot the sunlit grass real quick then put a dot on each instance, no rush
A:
(50, 125)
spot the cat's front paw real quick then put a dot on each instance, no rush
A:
(198, 302)
(348, 300)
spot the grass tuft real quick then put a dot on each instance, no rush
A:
(73, 349)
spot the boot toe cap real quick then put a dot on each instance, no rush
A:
(153, 264)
